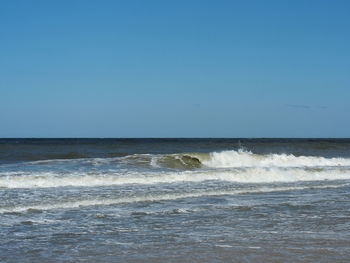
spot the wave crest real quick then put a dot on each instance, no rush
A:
(241, 158)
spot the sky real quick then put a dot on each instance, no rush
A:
(175, 68)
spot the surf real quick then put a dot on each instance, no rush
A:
(233, 175)
(155, 198)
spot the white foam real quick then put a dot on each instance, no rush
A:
(155, 198)
(243, 158)
(246, 175)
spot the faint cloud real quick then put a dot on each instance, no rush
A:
(306, 107)
(298, 106)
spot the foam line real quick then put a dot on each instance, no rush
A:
(155, 198)
(246, 175)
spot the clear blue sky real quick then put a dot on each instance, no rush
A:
(173, 68)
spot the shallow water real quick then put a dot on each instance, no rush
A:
(170, 200)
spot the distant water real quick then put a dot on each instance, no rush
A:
(174, 200)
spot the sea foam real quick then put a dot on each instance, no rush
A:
(242, 175)
(243, 158)
(156, 198)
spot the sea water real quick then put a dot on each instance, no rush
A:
(171, 200)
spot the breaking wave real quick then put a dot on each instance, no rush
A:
(230, 166)
(242, 158)
(223, 159)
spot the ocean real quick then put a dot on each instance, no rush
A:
(174, 200)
